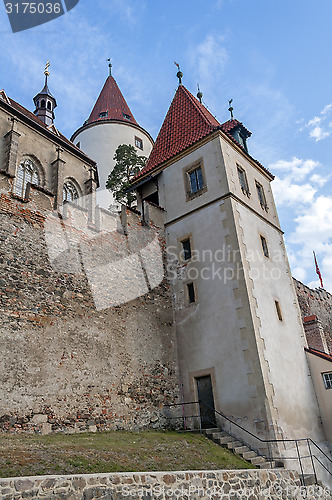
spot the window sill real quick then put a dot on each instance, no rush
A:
(246, 192)
(196, 194)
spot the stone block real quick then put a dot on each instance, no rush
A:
(39, 419)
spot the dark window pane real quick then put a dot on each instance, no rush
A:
(191, 293)
(264, 246)
(193, 182)
(186, 248)
(199, 174)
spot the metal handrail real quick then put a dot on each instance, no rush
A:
(268, 441)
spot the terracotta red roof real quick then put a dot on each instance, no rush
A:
(320, 354)
(187, 121)
(111, 105)
(232, 124)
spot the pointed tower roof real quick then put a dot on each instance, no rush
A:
(186, 122)
(111, 105)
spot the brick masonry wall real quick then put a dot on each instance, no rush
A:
(191, 485)
(72, 358)
(318, 302)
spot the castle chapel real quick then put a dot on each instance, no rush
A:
(184, 307)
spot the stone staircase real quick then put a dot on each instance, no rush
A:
(226, 441)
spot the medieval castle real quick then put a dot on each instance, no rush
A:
(110, 316)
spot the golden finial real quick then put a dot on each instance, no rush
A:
(46, 72)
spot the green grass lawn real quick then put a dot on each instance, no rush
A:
(32, 455)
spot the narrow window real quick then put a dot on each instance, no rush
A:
(49, 105)
(191, 293)
(327, 377)
(70, 192)
(265, 247)
(43, 103)
(186, 249)
(261, 195)
(138, 143)
(243, 181)
(196, 180)
(278, 309)
(26, 172)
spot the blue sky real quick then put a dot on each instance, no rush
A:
(272, 57)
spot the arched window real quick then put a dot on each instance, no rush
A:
(49, 105)
(43, 103)
(26, 172)
(70, 192)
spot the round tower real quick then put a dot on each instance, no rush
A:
(110, 124)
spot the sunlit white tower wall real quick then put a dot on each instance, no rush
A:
(110, 124)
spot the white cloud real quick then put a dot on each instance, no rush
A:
(318, 133)
(319, 180)
(295, 168)
(318, 127)
(211, 55)
(289, 193)
(208, 59)
(297, 186)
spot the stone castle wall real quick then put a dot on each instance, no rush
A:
(87, 335)
(316, 302)
(204, 485)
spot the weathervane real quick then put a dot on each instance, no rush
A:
(110, 66)
(46, 72)
(231, 109)
(199, 94)
(179, 73)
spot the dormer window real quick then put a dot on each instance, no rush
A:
(240, 134)
(103, 114)
(127, 117)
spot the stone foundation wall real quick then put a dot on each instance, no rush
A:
(238, 484)
(316, 302)
(87, 335)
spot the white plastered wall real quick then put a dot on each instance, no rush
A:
(100, 142)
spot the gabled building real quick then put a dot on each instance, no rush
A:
(37, 157)
(239, 328)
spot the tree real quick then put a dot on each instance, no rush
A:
(128, 164)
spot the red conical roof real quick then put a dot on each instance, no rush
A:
(111, 105)
(186, 122)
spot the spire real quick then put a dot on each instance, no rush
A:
(45, 102)
(111, 104)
